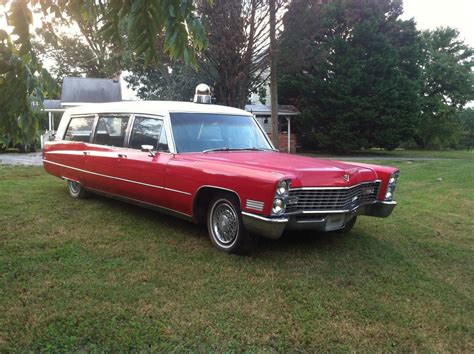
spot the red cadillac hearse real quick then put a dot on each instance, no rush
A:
(211, 164)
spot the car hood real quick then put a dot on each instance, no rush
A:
(304, 171)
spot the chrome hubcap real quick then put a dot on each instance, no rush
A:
(225, 223)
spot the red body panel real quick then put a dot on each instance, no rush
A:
(172, 181)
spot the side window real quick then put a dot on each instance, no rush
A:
(148, 131)
(80, 129)
(111, 130)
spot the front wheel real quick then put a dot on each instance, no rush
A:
(224, 223)
(76, 190)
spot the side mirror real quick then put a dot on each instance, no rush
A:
(149, 149)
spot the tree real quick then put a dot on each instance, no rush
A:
(76, 46)
(235, 63)
(352, 68)
(448, 84)
(172, 82)
(23, 84)
(22, 79)
(466, 123)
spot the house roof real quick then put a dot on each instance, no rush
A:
(283, 110)
(50, 105)
(77, 90)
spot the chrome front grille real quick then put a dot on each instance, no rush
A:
(332, 199)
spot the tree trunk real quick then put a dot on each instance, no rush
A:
(273, 73)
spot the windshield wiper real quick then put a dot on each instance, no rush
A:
(226, 148)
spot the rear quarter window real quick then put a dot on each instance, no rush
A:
(80, 129)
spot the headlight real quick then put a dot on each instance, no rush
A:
(278, 207)
(392, 184)
(281, 197)
(282, 189)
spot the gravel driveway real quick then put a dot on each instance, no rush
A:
(28, 159)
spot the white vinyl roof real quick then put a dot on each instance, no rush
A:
(155, 107)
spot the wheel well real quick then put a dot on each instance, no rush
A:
(202, 200)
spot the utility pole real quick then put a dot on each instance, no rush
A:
(273, 73)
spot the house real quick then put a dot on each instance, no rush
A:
(263, 113)
(76, 91)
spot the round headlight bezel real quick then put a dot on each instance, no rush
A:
(282, 189)
(278, 206)
(391, 186)
(281, 196)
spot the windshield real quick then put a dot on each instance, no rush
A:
(203, 132)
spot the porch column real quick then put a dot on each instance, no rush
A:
(289, 134)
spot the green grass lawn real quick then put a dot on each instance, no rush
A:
(99, 274)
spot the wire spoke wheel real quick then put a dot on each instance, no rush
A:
(225, 223)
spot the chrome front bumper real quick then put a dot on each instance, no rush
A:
(274, 227)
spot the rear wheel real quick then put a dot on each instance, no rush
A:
(225, 227)
(76, 190)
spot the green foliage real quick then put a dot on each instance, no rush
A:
(448, 84)
(148, 20)
(355, 76)
(102, 23)
(23, 84)
(173, 81)
(466, 124)
(234, 61)
(361, 76)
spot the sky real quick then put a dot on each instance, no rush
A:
(430, 14)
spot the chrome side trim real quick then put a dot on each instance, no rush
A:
(117, 178)
(141, 203)
(329, 188)
(254, 204)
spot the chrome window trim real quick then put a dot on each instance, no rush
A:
(127, 129)
(71, 117)
(332, 188)
(237, 115)
(152, 116)
(117, 178)
(269, 141)
(169, 129)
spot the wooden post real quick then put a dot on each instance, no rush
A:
(288, 119)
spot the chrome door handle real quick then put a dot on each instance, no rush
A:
(86, 152)
(122, 156)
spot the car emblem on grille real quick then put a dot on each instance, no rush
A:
(346, 178)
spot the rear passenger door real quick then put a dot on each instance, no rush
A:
(146, 173)
(107, 149)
